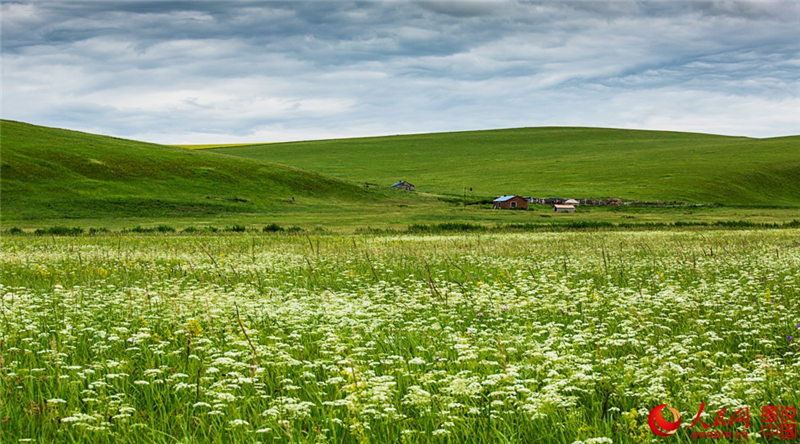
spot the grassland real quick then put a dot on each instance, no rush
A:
(285, 326)
(66, 175)
(562, 162)
(546, 337)
(51, 177)
(215, 145)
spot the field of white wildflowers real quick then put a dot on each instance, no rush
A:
(543, 337)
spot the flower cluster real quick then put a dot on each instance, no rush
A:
(539, 337)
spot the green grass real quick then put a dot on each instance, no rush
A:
(51, 177)
(491, 338)
(203, 147)
(561, 162)
(158, 294)
(58, 174)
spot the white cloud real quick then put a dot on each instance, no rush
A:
(267, 72)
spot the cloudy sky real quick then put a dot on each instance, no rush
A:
(213, 72)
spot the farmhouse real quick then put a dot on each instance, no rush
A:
(511, 201)
(563, 208)
(403, 185)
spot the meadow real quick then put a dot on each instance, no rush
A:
(54, 177)
(50, 173)
(565, 162)
(477, 337)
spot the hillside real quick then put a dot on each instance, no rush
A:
(54, 173)
(563, 162)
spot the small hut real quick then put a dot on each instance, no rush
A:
(403, 185)
(572, 202)
(510, 202)
(563, 208)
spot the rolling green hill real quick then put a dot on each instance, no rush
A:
(562, 162)
(52, 176)
(60, 174)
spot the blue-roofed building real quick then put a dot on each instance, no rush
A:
(511, 201)
(403, 185)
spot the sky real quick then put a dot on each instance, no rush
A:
(207, 72)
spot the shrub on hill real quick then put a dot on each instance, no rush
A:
(59, 231)
(273, 227)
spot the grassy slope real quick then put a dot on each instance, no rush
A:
(53, 173)
(58, 177)
(568, 162)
